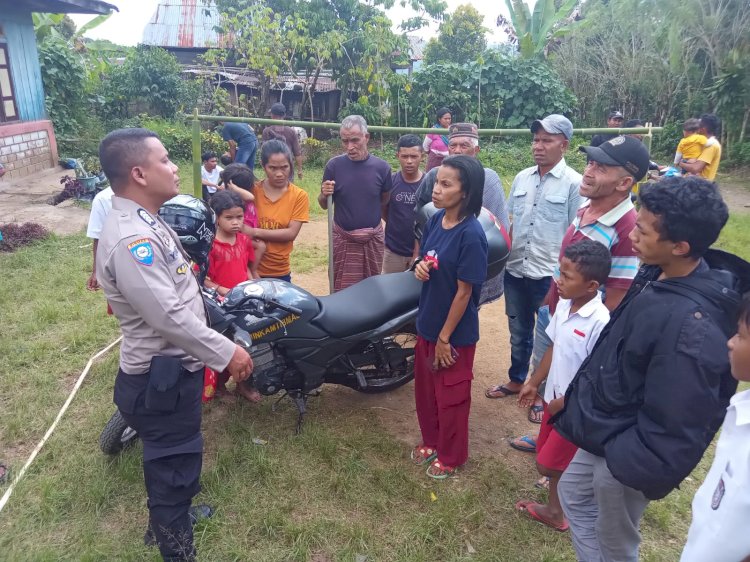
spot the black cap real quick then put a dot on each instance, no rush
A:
(626, 152)
(616, 115)
(278, 109)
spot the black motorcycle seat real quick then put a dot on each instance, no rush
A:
(368, 304)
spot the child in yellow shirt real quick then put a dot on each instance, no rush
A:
(692, 143)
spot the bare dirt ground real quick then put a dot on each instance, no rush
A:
(491, 421)
(26, 201)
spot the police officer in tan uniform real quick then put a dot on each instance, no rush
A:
(148, 283)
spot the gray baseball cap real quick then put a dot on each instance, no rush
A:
(554, 124)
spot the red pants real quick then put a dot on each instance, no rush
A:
(443, 399)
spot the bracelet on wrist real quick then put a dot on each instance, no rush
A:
(441, 340)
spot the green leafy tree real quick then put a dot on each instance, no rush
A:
(533, 32)
(461, 37)
(148, 81)
(512, 91)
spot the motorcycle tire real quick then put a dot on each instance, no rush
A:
(393, 381)
(116, 435)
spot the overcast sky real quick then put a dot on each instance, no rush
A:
(126, 26)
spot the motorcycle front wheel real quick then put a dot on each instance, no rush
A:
(399, 353)
(116, 435)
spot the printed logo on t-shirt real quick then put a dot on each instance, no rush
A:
(432, 258)
(408, 197)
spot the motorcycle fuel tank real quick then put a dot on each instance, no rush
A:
(270, 323)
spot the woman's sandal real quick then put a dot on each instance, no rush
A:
(422, 455)
(439, 471)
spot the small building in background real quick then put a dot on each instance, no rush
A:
(27, 139)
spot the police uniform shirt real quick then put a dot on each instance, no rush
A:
(153, 293)
(721, 507)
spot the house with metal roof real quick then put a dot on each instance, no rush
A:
(187, 29)
(27, 138)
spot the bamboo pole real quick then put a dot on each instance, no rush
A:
(419, 130)
(196, 134)
(330, 244)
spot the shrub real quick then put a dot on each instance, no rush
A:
(177, 137)
(15, 235)
(739, 154)
(316, 152)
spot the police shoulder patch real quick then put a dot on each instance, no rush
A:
(182, 269)
(145, 217)
(142, 251)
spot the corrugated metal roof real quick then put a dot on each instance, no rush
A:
(245, 77)
(186, 24)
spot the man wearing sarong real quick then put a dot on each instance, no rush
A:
(360, 184)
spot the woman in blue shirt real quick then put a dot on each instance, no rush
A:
(453, 268)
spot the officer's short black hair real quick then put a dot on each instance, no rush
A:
(206, 156)
(689, 209)
(121, 150)
(239, 174)
(224, 200)
(592, 260)
(408, 141)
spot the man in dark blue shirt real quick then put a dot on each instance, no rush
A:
(243, 144)
(399, 213)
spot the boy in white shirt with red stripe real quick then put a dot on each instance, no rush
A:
(574, 329)
(721, 506)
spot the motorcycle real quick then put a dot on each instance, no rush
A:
(362, 337)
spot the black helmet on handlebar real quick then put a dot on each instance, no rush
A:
(195, 225)
(498, 241)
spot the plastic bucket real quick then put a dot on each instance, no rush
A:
(88, 184)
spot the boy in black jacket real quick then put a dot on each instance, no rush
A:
(645, 405)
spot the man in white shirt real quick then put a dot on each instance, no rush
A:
(100, 208)
(210, 174)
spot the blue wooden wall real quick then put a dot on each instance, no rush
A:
(17, 30)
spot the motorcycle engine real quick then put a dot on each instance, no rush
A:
(268, 369)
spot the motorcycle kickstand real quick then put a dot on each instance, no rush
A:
(300, 400)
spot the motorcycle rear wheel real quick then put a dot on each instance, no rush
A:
(379, 380)
(116, 435)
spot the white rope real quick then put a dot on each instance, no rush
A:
(35, 452)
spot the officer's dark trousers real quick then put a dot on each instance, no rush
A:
(172, 457)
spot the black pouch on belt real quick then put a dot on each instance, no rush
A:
(163, 388)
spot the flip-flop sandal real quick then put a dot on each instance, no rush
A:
(527, 508)
(422, 455)
(517, 444)
(499, 391)
(536, 413)
(439, 471)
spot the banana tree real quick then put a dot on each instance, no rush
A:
(533, 32)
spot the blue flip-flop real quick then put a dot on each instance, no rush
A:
(530, 441)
